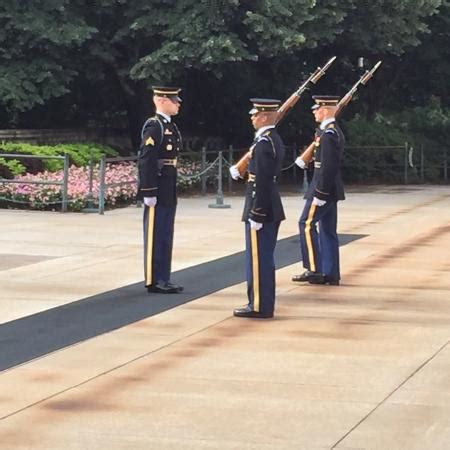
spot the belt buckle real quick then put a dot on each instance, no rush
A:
(169, 162)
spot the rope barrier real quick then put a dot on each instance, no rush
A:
(227, 163)
(288, 167)
(197, 175)
(24, 202)
(410, 157)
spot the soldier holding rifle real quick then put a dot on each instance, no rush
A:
(263, 211)
(320, 250)
(308, 154)
(239, 169)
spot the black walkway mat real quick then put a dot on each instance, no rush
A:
(33, 336)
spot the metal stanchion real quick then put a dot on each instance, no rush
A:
(305, 181)
(422, 165)
(445, 165)
(90, 198)
(101, 194)
(203, 168)
(405, 168)
(219, 196)
(65, 185)
(230, 163)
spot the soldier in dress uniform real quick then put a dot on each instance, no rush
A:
(263, 211)
(157, 163)
(318, 235)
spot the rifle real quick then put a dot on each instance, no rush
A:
(242, 164)
(308, 154)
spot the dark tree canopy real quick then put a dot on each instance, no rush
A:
(77, 63)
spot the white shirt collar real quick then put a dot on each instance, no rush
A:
(261, 130)
(168, 118)
(327, 122)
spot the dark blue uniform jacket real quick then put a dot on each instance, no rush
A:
(262, 199)
(326, 183)
(160, 146)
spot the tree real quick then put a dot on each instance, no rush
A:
(101, 57)
(37, 41)
(391, 31)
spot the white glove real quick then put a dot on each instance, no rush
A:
(316, 201)
(255, 225)
(300, 163)
(234, 172)
(150, 201)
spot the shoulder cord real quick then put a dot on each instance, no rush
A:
(160, 126)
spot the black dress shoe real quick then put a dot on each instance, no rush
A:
(174, 286)
(325, 280)
(162, 289)
(246, 311)
(331, 281)
(305, 276)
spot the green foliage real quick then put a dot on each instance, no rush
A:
(37, 43)
(365, 158)
(80, 155)
(424, 128)
(10, 167)
(360, 131)
(99, 58)
(192, 34)
(429, 125)
(387, 26)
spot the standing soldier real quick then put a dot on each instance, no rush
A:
(320, 249)
(263, 210)
(160, 146)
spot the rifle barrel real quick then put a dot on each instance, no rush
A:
(308, 154)
(363, 80)
(368, 75)
(320, 71)
(328, 63)
(292, 100)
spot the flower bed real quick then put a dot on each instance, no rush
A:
(47, 196)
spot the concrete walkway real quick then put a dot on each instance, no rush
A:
(365, 365)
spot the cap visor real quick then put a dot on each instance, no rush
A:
(253, 111)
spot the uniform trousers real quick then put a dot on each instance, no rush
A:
(260, 266)
(320, 247)
(158, 242)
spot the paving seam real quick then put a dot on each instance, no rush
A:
(420, 367)
(106, 372)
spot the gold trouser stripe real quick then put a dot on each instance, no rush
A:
(309, 243)
(255, 268)
(150, 226)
